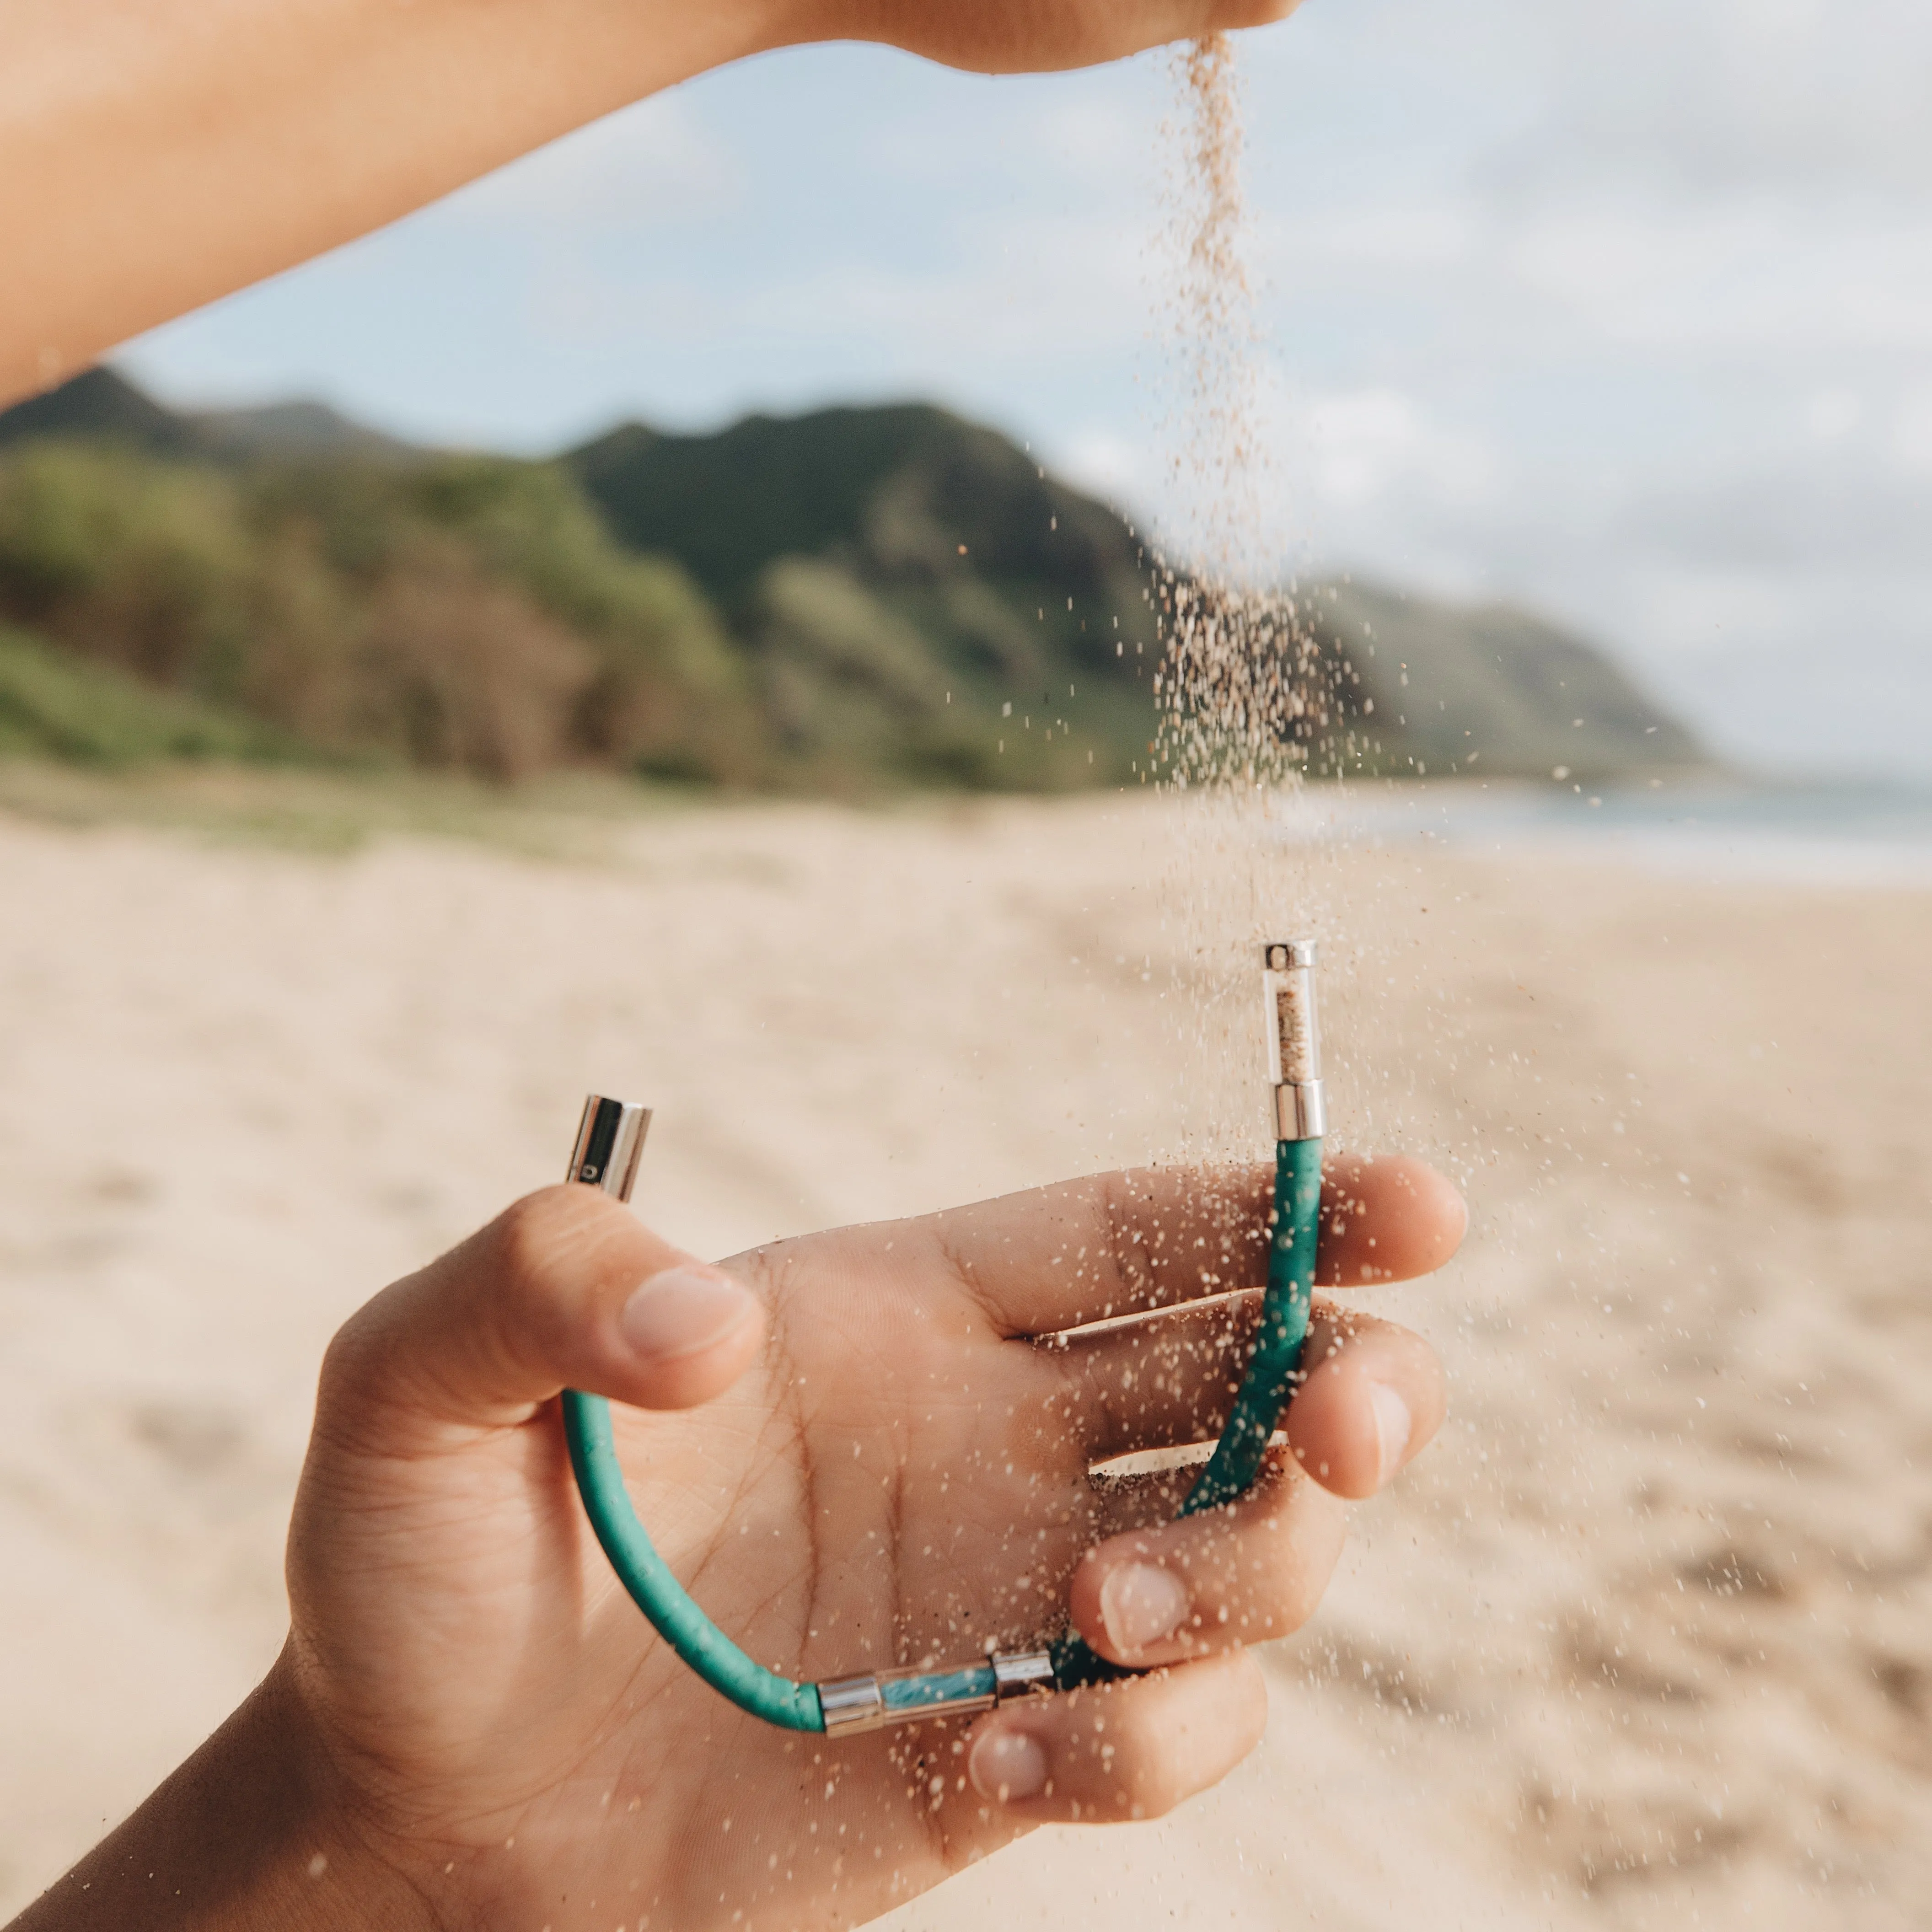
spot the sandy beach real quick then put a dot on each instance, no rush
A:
(1645, 1641)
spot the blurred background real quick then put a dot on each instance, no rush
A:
(1620, 313)
(737, 518)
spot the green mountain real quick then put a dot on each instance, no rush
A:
(911, 587)
(1425, 686)
(846, 600)
(99, 406)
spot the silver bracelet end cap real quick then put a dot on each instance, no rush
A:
(1293, 1039)
(609, 1144)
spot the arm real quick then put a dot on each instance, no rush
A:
(245, 1837)
(155, 154)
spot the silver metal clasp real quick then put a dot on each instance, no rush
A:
(1021, 1673)
(609, 1144)
(1293, 1039)
(852, 1705)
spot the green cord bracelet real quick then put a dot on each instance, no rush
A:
(609, 1143)
(1268, 1384)
(702, 1644)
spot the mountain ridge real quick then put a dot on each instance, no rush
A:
(894, 594)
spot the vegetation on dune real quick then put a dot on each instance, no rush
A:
(802, 612)
(461, 612)
(55, 705)
(847, 601)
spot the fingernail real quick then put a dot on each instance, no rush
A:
(682, 1311)
(1006, 1764)
(1141, 1603)
(1392, 1427)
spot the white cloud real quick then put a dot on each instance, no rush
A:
(654, 165)
(1434, 233)
(1690, 100)
(1098, 141)
(1834, 412)
(1117, 468)
(1912, 435)
(1038, 288)
(1366, 442)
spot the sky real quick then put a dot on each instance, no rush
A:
(1622, 314)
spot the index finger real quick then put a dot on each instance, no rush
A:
(1057, 1258)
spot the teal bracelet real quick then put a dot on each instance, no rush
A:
(609, 1143)
(678, 1620)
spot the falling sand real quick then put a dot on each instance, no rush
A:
(1247, 700)
(1231, 685)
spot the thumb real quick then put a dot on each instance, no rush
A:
(565, 1289)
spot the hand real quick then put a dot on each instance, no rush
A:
(1040, 40)
(886, 1468)
(472, 1725)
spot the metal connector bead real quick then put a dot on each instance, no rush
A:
(1301, 1113)
(609, 1144)
(852, 1705)
(1293, 1039)
(1020, 1674)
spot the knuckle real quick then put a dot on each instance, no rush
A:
(1143, 1781)
(360, 1372)
(1112, 1763)
(343, 1362)
(538, 1248)
(527, 1240)
(541, 1252)
(1150, 1789)
(1285, 1558)
(1291, 1596)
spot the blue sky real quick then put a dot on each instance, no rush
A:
(1625, 313)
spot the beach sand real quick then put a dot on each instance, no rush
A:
(1645, 1639)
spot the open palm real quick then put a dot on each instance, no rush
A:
(888, 1466)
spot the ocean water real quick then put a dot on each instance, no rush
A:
(1848, 834)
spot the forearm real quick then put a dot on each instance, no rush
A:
(242, 1838)
(156, 154)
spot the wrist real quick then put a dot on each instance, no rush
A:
(251, 1832)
